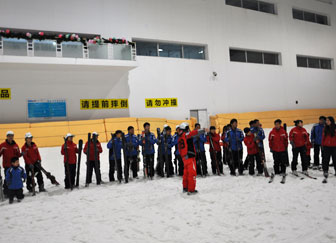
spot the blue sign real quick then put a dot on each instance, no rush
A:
(46, 108)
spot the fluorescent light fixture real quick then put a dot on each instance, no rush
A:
(160, 49)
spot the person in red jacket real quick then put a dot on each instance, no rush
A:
(329, 145)
(8, 150)
(91, 162)
(252, 151)
(32, 157)
(278, 143)
(298, 138)
(70, 157)
(188, 153)
(215, 152)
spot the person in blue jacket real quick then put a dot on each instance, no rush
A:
(201, 168)
(234, 138)
(147, 142)
(316, 140)
(132, 150)
(166, 142)
(15, 176)
(115, 146)
(178, 159)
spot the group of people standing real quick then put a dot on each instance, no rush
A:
(190, 157)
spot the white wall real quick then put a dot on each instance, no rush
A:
(239, 87)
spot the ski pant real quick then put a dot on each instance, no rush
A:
(216, 159)
(302, 151)
(38, 175)
(189, 174)
(91, 167)
(5, 186)
(166, 166)
(327, 153)
(72, 172)
(133, 163)
(113, 165)
(148, 160)
(202, 167)
(280, 159)
(180, 164)
(255, 159)
(246, 162)
(18, 193)
(226, 156)
(236, 162)
(317, 149)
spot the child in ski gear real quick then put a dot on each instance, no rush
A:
(187, 151)
(247, 159)
(147, 142)
(115, 145)
(132, 151)
(32, 157)
(234, 138)
(215, 151)
(15, 176)
(178, 159)
(202, 168)
(8, 150)
(91, 162)
(252, 151)
(329, 145)
(316, 140)
(70, 157)
(278, 143)
(298, 138)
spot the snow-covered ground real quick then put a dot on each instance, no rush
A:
(227, 209)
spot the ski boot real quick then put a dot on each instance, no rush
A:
(192, 193)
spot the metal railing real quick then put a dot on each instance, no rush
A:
(50, 48)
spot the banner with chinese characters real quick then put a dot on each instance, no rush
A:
(90, 104)
(161, 102)
(5, 94)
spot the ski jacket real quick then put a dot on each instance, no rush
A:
(92, 155)
(259, 134)
(30, 153)
(169, 141)
(252, 147)
(186, 145)
(8, 151)
(132, 144)
(278, 140)
(175, 142)
(225, 145)
(328, 140)
(72, 150)
(235, 138)
(14, 176)
(298, 136)
(316, 134)
(148, 140)
(115, 144)
(200, 140)
(216, 142)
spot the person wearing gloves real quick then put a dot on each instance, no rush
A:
(178, 159)
(15, 176)
(132, 144)
(91, 162)
(32, 158)
(316, 140)
(115, 146)
(70, 157)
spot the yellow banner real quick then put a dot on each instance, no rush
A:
(5, 94)
(161, 102)
(90, 104)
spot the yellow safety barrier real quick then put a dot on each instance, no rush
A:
(114, 124)
(267, 117)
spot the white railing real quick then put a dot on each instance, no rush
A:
(50, 48)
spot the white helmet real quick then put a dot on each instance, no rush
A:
(177, 126)
(184, 125)
(69, 135)
(95, 133)
(28, 135)
(165, 125)
(10, 133)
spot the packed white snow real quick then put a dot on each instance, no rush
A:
(226, 209)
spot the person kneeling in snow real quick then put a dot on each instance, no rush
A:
(14, 176)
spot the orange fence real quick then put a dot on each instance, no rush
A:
(50, 134)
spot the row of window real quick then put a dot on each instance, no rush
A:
(270, 8)
(238, 55)
(160, 49)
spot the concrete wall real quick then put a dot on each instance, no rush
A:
(239, 87)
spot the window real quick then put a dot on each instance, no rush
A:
(253, 5)
(314, 62)
(310, 17)
(174, 50)
(170, 50)
(146, 48)
(261, 57)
